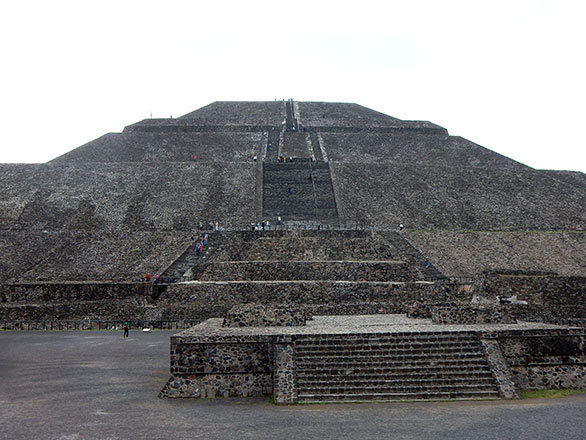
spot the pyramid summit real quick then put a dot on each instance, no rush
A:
(128, 204)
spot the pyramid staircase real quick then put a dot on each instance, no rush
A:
(180, 269)
(391, 367)
(311, 195)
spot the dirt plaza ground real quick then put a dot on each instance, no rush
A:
(98, 385)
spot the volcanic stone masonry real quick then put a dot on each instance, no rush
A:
(300, 204)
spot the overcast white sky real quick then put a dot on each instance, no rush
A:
(508, 75)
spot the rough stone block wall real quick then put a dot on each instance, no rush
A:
(508, 388)
(226, 358)
(260, 315)
(536, 289)
(214, 299)
(218, 385)
(542, 377)
(284, 377)
(469, 315)
(220, 367)
(547, 359)
(71, 301)
(302, 270)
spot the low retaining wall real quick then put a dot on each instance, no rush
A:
(77, 301)
(90, 324)
(47, 292)
(220, 367)
(545, 359)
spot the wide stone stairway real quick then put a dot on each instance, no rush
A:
(299, 191)
(401, 366)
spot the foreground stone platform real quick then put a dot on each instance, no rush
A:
(96, 385)
(374, 357)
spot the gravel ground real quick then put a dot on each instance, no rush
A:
(97, 385)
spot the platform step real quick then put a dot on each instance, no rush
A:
(307, 398)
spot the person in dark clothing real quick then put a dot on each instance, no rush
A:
(126, 327)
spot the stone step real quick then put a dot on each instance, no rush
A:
(390, 353)
(390, 346)
(482, 374)
(460, 394)
(386, 365)
(391, 339)
(402, 370)
(398, 388)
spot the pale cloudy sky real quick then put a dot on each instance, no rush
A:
(508, 75)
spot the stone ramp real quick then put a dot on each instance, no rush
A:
(402, 366)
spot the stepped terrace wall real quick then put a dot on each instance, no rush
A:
(549, 298)
(466, 254)
(168, 146)
(240, 113)
(117, 255)
(75, 300)
(545, 359)
(203, 300)
(310, 245)
(412, 148)
(324, 114)
(304, 270)
(470, 198)
(112, 221)
(130, 196)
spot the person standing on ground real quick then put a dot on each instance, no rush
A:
(126, 328)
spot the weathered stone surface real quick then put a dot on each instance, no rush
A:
(508, 389)
(467, 254)
(470, 315)
(339, 357)
(260, 315)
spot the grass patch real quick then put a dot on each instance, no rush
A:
(549, 394)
